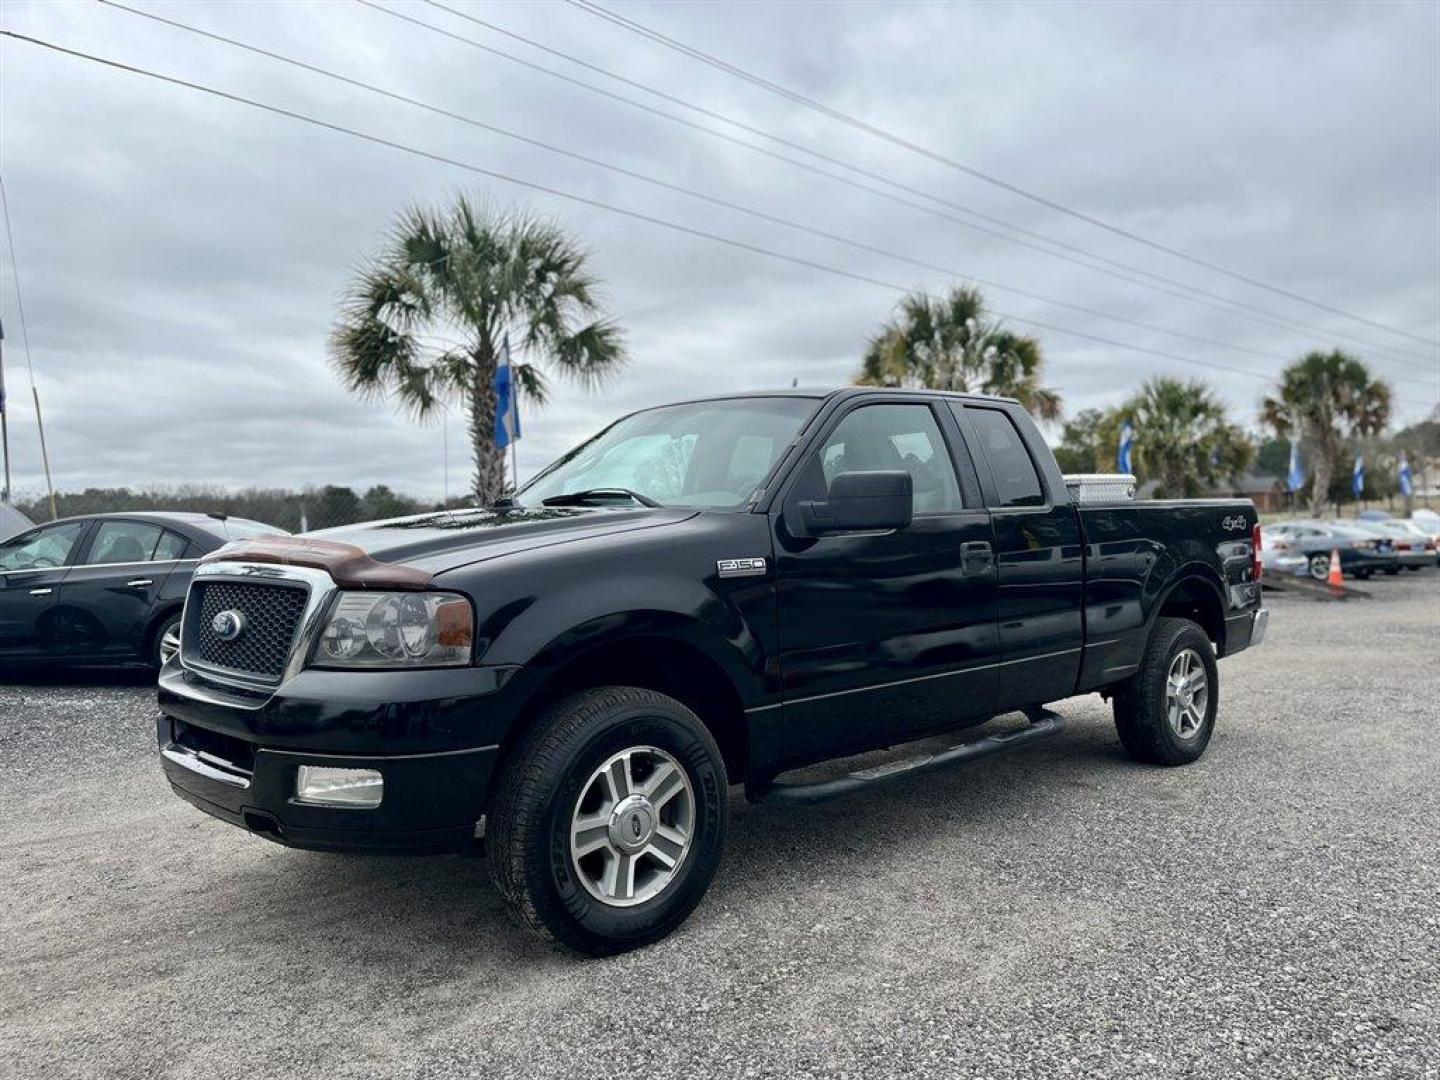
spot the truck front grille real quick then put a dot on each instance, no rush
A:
(270, 614)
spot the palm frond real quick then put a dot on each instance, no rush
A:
(472, 272)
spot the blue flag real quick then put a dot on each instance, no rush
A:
(1125, 459)
(1296, 480)
(507, 400)
(1357, 478)
(1407, 481)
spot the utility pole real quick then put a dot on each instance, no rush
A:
(44, 454)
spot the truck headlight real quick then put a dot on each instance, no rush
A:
(396, 630)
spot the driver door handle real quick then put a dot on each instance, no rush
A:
(138, 582)
(41, 592)
(976, 557)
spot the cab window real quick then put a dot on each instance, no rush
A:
(41, 549)
(1016, 481)
(892, 438)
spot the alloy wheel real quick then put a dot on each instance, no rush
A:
(1187, 694)
(632, 826)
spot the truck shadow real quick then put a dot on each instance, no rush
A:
(443, 911)
(98, 677)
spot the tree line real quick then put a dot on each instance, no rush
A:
(320, 507)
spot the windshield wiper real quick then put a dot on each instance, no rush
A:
(580, 498)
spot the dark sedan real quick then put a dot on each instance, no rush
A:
(104, 589)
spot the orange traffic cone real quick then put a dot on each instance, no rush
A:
(1334, 579)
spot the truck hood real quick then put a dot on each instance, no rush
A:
(452, 538)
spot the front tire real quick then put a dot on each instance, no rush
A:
(165, 641)
(1165, 713)
(608, 820)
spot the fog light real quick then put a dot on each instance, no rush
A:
(320, 785)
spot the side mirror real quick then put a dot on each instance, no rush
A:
(862, 502)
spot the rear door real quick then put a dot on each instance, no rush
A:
(32, 567)
(885, 635)
(108, 596)
(1039, 557)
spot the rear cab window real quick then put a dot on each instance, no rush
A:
(1017, 481)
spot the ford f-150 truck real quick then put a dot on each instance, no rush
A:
(705, 594)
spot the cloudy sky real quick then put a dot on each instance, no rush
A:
(180, 256)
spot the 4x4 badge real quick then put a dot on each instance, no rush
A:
(729, 568)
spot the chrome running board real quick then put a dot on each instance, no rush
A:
(1043, 725)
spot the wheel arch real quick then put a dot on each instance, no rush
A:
(655, 650)
(1193, 592)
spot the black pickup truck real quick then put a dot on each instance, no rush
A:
(705, 594)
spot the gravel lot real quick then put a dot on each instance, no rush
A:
(1272, 911)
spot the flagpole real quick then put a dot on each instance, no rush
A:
(4, 421)
(515, 461)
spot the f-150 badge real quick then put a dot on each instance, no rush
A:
(740, 567)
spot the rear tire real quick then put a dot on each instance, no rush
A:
(599, 756)
(1165, 713)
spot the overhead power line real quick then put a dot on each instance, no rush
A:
(850, 120)
(1122, 271)
(689, 192)
(585, 200)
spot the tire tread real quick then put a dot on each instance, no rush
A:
(1139, 703)
(516, 820)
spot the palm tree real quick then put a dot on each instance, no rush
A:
(950, 343)
(423, 321)
(1183, 438)
(1322, 397)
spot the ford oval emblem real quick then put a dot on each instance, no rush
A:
(228, 625)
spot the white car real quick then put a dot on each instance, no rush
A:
(1279, 554)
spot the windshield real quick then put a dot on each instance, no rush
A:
(705, 454)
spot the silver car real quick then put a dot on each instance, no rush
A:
(1362, 552)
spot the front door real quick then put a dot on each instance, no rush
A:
(888, 635)
(32, 567)
(110, 592)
